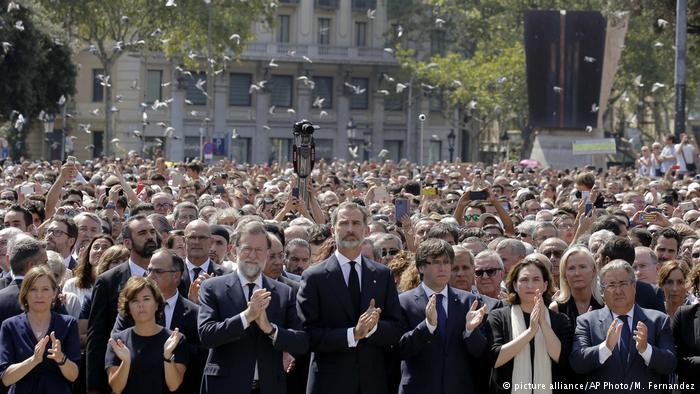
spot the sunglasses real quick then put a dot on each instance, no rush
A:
(474, 218)
(553, 253)
(389, 252)
(695, 255)
(522, 235)
(490, 272)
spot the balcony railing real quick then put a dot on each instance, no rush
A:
(328, 50)
(289, 2)
(328, 4)
(364, 5)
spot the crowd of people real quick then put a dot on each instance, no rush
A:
(139, 276)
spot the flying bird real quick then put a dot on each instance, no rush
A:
(656, 86)
(170, 3)
(353, 151)
(236, 37)
(371, 14)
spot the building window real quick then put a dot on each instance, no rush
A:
(281, 150)
(361, 34)
(324, 149)
(282, 91)
(324, 31)
(283, 28)
(154, 79)
(240, 150)
(192, 93)
(98, 91)
(360, 101)
(395, 148)
(98, 141)
(435, 151)
(239, 90)
(192, 147)
(324, 91)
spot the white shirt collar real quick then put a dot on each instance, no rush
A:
(173, 300)
(204, 266)
(244, 282)
(630, 316)
(135, 269)
(342, 260)
(66, 260)
(429, 292)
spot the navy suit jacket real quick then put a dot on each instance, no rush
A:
(326, 311)
(185, 319)
(103, 314)
(591, 331)
(650, 297)
(213, 269)
(686, 335)
(234, 351)
(428, 366)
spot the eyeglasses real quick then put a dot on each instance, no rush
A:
(247, 251)
(55, 232)
(522, 235)
(388, 252)
(553, 253)
(490, 272)
(197, 238)
(474, 218)
(617, 285)
(158, 271)
(162, 206)
(695, 255)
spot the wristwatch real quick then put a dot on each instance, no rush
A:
(169, 360)
(65, 358)
(272, 332)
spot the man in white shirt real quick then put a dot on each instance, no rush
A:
(686, 152)
(668, 155)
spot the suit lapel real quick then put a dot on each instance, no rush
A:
(335, 278)
(368, 287)
(605, 320)
(179, 311)
(235, 293)
(454, 319)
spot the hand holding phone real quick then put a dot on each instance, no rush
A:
(401, 206)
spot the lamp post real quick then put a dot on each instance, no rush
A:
(451, 144)
(421, 118)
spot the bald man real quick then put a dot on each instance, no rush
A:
(198, 265)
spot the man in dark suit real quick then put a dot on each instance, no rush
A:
(25, 253)
(648, 296)
(7, 235)
(140, 238)
(350, 308)
(61, 235)
(686, 336)
(297, 365)
(247, 320)
(198, 266)
(622, 343)
(166, 270)
(441, 327)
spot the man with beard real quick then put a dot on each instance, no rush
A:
(140, 238)
(61, 236)
(198, 266)
(340, 303)
(247, 321)
(221, 246)
(297, 254)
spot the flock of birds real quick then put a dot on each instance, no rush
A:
(199, 84)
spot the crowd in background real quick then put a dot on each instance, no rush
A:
(130, 275)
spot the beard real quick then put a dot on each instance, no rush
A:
(347, 243)
(249, 269)
(146, 250)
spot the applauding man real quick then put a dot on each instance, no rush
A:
(442, 327)
(247, 321)
(350, 308)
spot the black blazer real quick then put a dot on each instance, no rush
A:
(184, 318)
(103, 314)
(185, 282)
(234, 351)
(326, 311)
(5, 279)
(296, 380)
(650, 297)
(428, 364)
(499, 327)
(9, 302)
(686, 336)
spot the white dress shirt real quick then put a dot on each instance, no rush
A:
(345, 267)
(191, 267)
(604, 352)
(429, 293)
(135, 269)
(170, 309)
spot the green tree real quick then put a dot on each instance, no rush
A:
(36, 71)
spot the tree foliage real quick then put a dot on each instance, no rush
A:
(36, 71)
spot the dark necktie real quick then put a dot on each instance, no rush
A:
(251, 287)
(196, 271)
(625, 339)
(354, 287)
(441, 318)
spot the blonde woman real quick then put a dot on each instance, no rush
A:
(579, 291)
